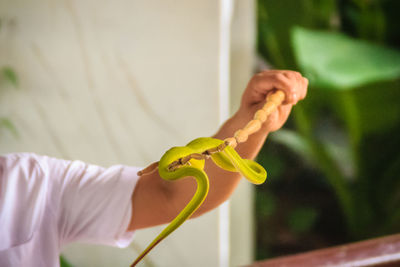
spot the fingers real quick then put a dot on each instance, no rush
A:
(292, 83)
(305, 87)
(277, 118)
(265, 82)
(298, 88)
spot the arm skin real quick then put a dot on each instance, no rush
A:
(156, 201)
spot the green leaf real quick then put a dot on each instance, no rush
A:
(10, 75)
(266, 204)
(377, 107)
(274, 165)
(294, 141)
(6, 123)
(302, 219)
(336, 61)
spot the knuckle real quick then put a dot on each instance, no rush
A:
(257, 77)
(253, 81)
(291, 74)
(279, 76)
(298, 74)
(259, 74)
(290, 98)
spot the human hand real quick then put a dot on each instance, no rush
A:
(292, 83)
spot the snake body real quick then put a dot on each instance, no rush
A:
(228, 159)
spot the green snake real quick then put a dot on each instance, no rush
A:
(228, 159)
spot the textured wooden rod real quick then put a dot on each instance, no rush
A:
(261, 115)
(272, 102)
(253, 126)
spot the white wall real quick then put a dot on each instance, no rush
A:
(112, 82)
(242, 241)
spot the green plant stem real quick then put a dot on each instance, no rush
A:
(274, 50)
(327, 166)
(352, 121)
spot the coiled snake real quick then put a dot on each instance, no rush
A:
(188, 161)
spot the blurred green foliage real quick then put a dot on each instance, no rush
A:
(342, 183)
(7, 124)
(301, 219)
(64, 262)
(8, 75)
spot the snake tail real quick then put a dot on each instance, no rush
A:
(191, 207)
(251, 170)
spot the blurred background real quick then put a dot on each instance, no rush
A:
(120, 82)
(335, 168)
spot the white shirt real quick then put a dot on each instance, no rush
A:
(46, 203)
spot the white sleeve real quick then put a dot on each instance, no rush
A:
(23, 191)
(92, 203)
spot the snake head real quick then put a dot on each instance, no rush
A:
(173, 155)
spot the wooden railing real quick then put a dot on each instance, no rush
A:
(383, 251)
